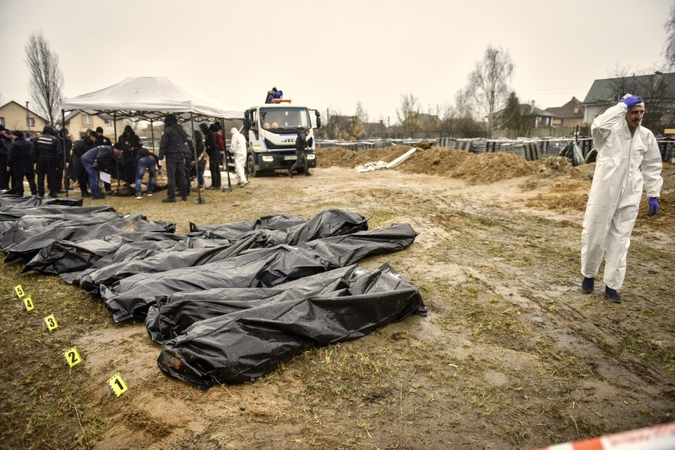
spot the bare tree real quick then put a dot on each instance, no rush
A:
(489, 82)
(408, 115)
(331, 129)
(361, 113)
(46, 79)
(670, 40)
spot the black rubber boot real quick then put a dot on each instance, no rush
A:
(587, 285)
(612, 295)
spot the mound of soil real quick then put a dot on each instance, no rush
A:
(470, 167)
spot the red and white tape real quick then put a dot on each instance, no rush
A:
(661, 437)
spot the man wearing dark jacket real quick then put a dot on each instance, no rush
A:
(301, 145)
(47, 150)
(101, 139)
(129, 143)
(172, 146)
(5, 144)
(214, 154)
(20, 163)
(76, 169)
(98, 158)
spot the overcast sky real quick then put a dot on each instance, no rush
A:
(334, 54)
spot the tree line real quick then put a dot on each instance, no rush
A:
(487, 91)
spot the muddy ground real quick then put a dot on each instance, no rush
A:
(510, 356)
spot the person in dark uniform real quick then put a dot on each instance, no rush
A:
(214, 154)
(130, 144)
(301, 145)
(75, 168)
(172, 146)
(21, 164)
(47, 150)
(5, 144)
(101, 139)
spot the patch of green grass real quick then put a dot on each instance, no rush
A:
(41, 404)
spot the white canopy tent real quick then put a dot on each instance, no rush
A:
(149, 98)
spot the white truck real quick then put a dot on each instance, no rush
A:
(271, 130)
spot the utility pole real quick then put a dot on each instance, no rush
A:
(27, 117)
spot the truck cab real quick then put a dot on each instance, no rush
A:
(271, 130)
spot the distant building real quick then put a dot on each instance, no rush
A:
(15, 116)
(657, 90)
(570, 115)
(536, 118)
(79, 122)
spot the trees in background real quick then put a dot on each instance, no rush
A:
(489, 84)
(670, 40)
(512, 118)
(408, 115)
(46, 79)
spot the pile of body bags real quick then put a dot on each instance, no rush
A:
(229, 302)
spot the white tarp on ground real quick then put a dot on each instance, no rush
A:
(148, 98)
(369, 167)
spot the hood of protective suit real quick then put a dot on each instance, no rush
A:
(234, 131)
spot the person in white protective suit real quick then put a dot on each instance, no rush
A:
(238, 148)
(628, 158)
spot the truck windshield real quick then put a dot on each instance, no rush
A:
(284, 119)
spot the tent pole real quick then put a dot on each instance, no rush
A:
(200, 200)
(227, 168)
(117, 164)
(66, 179)
(152, 135)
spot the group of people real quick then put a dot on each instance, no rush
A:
(127, 159)
(44, 155)
(183, 160)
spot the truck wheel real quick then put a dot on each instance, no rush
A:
(250, 167)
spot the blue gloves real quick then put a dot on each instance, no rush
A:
(630, 100)
(653, 205)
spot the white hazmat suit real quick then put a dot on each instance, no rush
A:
(238, 147)
(624, 164)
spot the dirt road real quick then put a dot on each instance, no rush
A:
(510, 356)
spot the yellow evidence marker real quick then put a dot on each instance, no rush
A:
(27, 304)
(50, 323)
(116, 385)
(72, 356)
(18, 291)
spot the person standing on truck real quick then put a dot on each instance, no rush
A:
(274, 94)
(628, 159)
(238, 148)
(301, 145)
